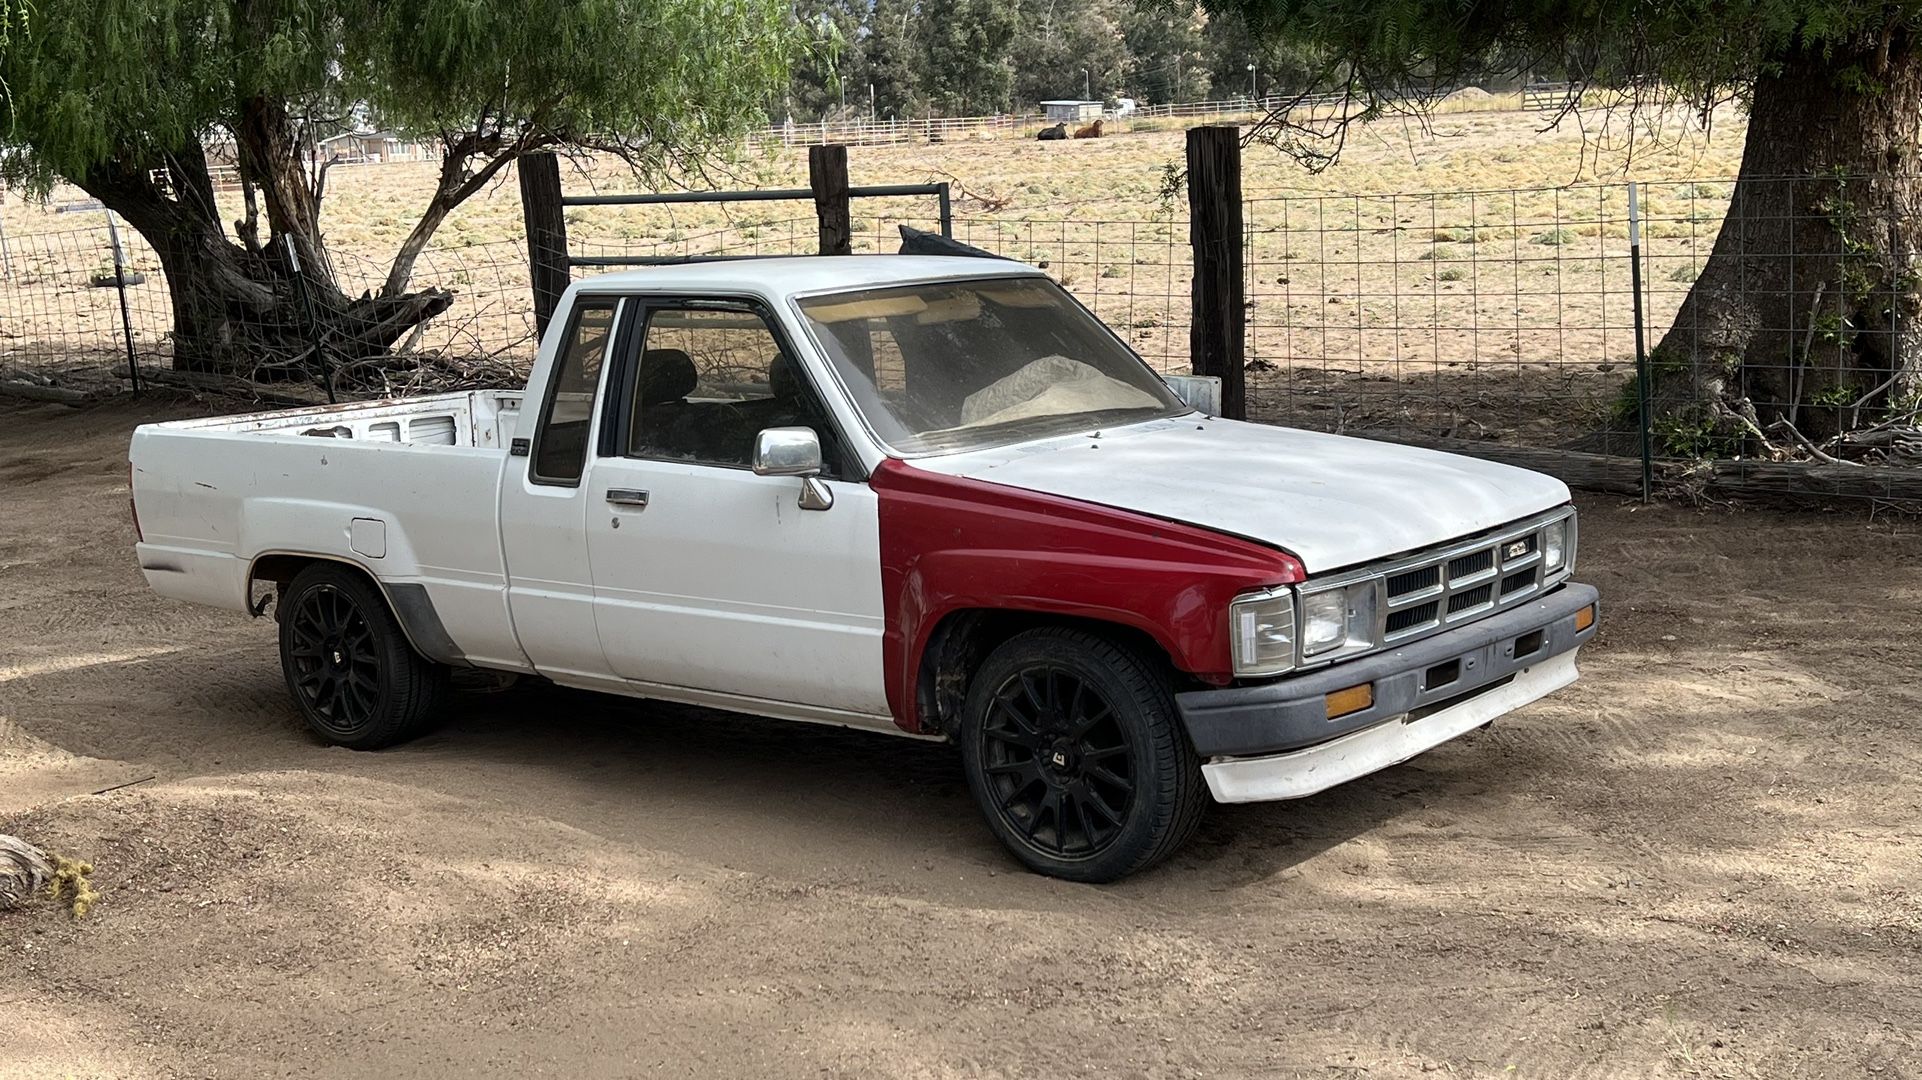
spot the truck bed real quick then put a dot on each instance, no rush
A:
(408, 490)
(478, 418)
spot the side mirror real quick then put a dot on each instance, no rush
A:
(787, 451)
(794, 451)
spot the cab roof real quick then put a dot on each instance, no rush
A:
(779, 278)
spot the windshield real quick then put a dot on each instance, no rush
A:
(960, 365)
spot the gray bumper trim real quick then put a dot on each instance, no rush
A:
(1290, 713)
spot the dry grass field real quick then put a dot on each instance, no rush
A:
(1467, 277)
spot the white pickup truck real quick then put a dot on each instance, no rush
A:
(928, 496)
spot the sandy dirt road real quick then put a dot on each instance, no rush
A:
(1704, 859)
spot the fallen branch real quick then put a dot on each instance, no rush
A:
(1801, 440)
(28, 391)
(24, 871)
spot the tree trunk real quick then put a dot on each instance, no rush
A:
(1806, 311)
(236, 308)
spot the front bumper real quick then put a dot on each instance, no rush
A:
(1275, 740)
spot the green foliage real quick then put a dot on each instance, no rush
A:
(826, 75)
(1700, 50)
(965, 47)
(1066, 48)
(1168, 53)
(1692, 432)
(892, 56)
(1282, 65)
(974, 56)
(135, 80)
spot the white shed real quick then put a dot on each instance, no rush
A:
(1071, 111)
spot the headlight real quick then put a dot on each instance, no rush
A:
(1555, 546)
(1324, 620)
(1263, 628)
(1338, 618)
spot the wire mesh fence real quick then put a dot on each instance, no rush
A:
(1773, 323)
(1489, 315)
(61, 317)
(67, 319)
(1491, 319)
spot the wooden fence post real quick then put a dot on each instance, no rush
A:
(1218, 326)
(828, 176)
(546, 227)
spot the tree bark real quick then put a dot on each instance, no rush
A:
(458, 180)
(237, 309)
(1807, 308)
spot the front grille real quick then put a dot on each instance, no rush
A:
(1470, 599)
(1518, 581)
(1407, 618)
(1472, 565)
(1462, 581)
(1414, 581)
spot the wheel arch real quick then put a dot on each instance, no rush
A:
(408, 602)
(962, 639)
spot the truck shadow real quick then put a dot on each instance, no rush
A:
(809, 799)
(794, 800)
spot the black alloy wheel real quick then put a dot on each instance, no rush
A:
(1075, 754)
(1057, 762)
(335, 671)
(350, 669)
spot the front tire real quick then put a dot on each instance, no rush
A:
(1075, 754)
(352, 674)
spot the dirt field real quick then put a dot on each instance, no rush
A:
(1702, 860)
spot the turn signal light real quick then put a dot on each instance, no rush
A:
(1351, 700)
(1585, 618)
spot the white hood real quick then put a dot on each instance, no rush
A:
(1333, 501)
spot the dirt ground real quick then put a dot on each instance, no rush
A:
(1701, 860)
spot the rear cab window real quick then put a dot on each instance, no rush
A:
(560, 440)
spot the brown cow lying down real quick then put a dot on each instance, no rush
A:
(1059, 131)
(1092, 131)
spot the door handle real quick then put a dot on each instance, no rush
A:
(627, 497)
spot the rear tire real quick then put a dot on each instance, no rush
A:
(352, 674)
(1076, 756)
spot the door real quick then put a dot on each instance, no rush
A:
(708, 577)
(550, 591)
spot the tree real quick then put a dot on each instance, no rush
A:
(892, 56)
(1808, 302)
(1066, 48)
(122, 97)
(1168, 56)
(1283, 67)
(964, 54)
(831, 72)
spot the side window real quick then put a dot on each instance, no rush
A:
(710, 381)
(560, 443)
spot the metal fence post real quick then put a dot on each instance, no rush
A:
(947, 210)
(120, 286)
(307, 305)
(1644, 421)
